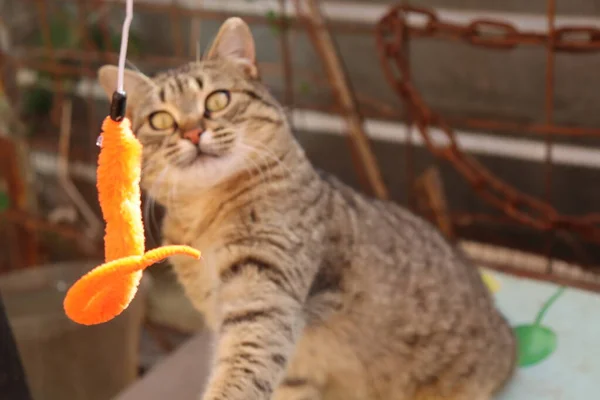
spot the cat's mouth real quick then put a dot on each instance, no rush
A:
(196, 154)
(204, 153)
(198, 157)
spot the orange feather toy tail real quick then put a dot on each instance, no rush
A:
(106, 291)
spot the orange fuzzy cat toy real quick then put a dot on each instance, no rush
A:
(104, 292)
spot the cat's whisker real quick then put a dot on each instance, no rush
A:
(183, 159)
(149, 140)
(262, 162)
(256, 167)
(260, 167)
(264, 155)
(175, 186)
(170, 152)
(268, 152)
(149, 208)
(249, 170)
(132, 65)
(148, 216)
(169, 203)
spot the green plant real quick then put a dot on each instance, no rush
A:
(4, 201)
(277, 22)
(37, 101)
(305, 87)
(65, 34)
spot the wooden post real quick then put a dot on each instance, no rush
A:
(25, 249)
(431, 201)
(325, 46)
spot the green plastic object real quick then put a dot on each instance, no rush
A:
(537, 342)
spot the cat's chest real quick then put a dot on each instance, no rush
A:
(216, 239)
(207, 224)
(189, 233)
(196, 275)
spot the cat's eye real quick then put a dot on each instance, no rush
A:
(161, 120)
(216, 101)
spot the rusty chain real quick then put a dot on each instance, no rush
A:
(393, 32)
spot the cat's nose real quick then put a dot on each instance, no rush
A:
(193, 135)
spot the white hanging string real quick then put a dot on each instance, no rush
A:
(124, 40)
(122, 53)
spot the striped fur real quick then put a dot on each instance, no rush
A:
(314, 290)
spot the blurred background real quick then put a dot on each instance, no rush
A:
(477, 114)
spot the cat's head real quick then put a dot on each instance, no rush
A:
(207, 121)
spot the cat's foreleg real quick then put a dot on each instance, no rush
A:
(260, 321)
(305, 376)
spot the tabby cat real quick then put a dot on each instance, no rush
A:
(313, 290)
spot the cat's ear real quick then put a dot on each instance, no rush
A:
(135, 84)
(234, 42)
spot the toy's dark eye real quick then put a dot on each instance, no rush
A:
(161, 120)
(216, 101)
